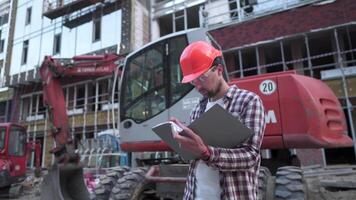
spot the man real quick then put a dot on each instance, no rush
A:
(220, 173)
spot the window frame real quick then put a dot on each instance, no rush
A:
(149, 95)
(20, 149)
(28, 16)
(57, 39)
(96, 25)
(2, 138)
(2, 42)
(24, 56)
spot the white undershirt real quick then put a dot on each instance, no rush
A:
(208, 179)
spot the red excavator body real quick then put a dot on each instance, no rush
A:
(14, 152)
(301, 112)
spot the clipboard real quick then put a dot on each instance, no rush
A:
(216, 127)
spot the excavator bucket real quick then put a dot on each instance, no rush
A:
(64, 182)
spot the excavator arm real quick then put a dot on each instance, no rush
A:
(67, 169)
(52, 71)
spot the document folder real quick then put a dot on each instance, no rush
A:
(216, 127)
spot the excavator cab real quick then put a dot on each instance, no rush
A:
(151, 91)
(12, 156)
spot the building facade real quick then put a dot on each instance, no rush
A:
(64, 29)
(315, 38)
(5, 93)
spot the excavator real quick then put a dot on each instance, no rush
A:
(65, 180)
(301, 112)
(14, 153)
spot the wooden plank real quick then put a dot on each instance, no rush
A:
(336, 86)
(338, 182)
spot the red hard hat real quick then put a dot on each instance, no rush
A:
(196, 59)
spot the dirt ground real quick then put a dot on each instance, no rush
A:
(335, 182)
(331, 183)
(321, 193)
(317, 192)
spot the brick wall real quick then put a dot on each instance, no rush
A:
(290, 22)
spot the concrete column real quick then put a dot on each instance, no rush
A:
(296, 49)
(10, 41)
(126, 27)
(261, 58)
(230, 64)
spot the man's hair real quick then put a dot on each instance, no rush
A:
(217, 61)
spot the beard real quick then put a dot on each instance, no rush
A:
(215, 91)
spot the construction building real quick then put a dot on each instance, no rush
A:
(5, 100)
(314, 37)
(64, 29)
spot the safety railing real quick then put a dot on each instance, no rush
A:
(56, 8)
(54, 4)
(223, 12)
(306, 64)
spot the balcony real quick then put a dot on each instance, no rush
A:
(57, 8)
(4, 6)
(222, 13)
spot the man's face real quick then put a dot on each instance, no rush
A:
(208, 83)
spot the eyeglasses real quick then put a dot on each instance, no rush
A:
(202, 78)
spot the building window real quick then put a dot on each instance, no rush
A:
(28, 16)
(24, 52)
(178, 20)
(4, 18)
(2, 41)
(96, 29)
(57, 44)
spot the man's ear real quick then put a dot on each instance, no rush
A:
(220, 69)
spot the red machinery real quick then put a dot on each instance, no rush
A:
(301, 112)
(65, 179)
(14, 153)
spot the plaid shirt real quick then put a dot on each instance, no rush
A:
(238, 167)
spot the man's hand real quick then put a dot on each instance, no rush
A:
(191, 141)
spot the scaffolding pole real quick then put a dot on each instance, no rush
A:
(35, 129)
(285, 68)
(240, 62)
(344, 85)
(96, 108)
(258, 60)
(74, 111)
(29, 127)
(308, 55)
(108, 103)
(45, 135)
(85, 108)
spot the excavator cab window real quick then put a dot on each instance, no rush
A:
(177, 89)
(151, 80)
(145, 91)
(2, 138)
(17, 140)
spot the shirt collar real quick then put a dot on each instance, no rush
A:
(228, 96)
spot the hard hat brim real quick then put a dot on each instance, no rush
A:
(191, 77)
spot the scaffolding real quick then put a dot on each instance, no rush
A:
(57, 8)
(221, 13)
(328, 54)
(89, 106)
